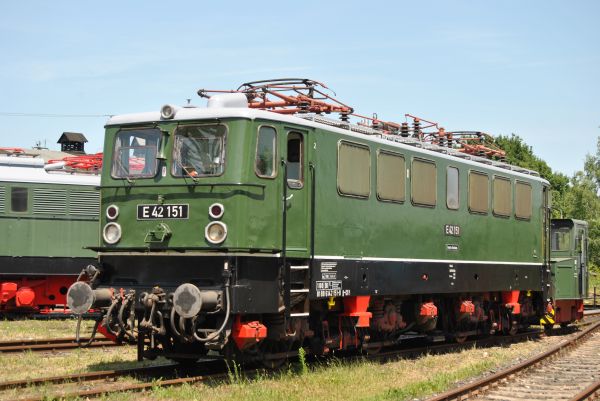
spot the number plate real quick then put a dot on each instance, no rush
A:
(154, 212)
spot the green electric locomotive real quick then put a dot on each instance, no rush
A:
(256, 225)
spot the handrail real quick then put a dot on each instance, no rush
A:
(214, 184)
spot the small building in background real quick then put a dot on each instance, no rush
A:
(72, 142)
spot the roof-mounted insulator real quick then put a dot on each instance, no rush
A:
(417, 128)
(404, 129)
(345, 116)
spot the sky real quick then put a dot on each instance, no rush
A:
(525, 67)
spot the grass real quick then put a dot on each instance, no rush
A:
(35, 329)
(364, 380)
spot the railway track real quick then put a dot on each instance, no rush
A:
(569, 370)
(52, 344)
(96, 384)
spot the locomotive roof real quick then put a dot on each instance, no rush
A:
(31, 170)
(316, 121)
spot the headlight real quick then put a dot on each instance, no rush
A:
(111, 233)
(215, 232)
(168, 111)
(112, 212)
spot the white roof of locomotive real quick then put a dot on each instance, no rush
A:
(217, 111)
(31, 170)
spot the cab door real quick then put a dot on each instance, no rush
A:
(297, 193)
(581, 242)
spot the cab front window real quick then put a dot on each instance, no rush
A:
(135, 153)
(199, 150)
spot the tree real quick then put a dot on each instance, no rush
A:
(575, 198)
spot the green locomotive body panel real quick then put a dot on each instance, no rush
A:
(48, 219)
(251, 225)
(362, 231)
(61, 230)
(351, 227)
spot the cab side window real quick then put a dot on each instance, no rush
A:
(295, 160)
(265, 164)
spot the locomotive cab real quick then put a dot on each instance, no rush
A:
(199, 206)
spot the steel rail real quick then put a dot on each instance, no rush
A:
(52, 344)
(591, 392)
(163, 370)
(219, 371)
(83, 377)
(472, 388)
(98, 392)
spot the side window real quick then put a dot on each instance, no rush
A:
(266, 143)
(502, 196)
(523, 200)
(478, 192)
(452, 190)
(561, 239)
(391, 177)
(423, 184)
(18, 199)
(295, 160)
(354, 169)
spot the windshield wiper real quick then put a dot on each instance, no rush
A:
(125, 172)
(188, 173)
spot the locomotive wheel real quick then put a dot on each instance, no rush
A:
(460, 338)
(374, 350)
(514, 328)
(269, 350)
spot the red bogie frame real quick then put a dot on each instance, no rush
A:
(42, 294)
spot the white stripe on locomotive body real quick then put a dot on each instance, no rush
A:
(253, 114)
(192, 253)
(449, 261)
(31, 170)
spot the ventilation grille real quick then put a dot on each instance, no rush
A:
(2, 199)
(84, 203)
(50, 201)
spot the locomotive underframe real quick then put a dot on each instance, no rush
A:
(251, 290)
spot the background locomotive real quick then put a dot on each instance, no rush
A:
(48, 213)
(256, 225)
(569, 269)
